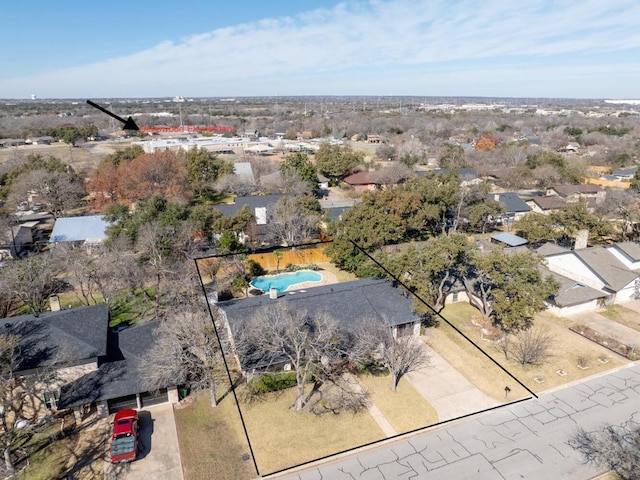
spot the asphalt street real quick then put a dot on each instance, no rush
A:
(527, 440)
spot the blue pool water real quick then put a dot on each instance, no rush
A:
(285, 280)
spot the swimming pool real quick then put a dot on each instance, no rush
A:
(285, 280)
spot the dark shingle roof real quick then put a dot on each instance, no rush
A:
(334, 213)
(62, 337)
(551, 248)
(583, 188)
(252, 201)
(121, 374)
(345, 302)
(511, 202)
(549, 202)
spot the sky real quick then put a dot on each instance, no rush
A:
(495, 48)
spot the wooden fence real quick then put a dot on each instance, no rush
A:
(299, 256)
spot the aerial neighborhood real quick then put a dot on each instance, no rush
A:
(255, 284)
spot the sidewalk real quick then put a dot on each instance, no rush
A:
(447, 390)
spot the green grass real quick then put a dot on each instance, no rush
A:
(127, 308)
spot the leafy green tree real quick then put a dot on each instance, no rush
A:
(484, 213)
(204, 168)
(507, 288)
(229, 243)
(574, 217)
(299, 163)
(537, 228)
(432, 269)
(337, 162)
(71, 134)
(451, 156)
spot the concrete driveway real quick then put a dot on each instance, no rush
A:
(158, 451)
(608, 327)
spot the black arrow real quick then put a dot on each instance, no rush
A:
(129, 124)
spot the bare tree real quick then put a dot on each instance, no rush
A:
(58, 190)
(530, 346)
(32, 281)
(81, 270)
(185, 352)
(291, 222)
(399, 354)
(614, 447)
(391, 174)
(279, 334)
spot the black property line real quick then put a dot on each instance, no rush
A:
(444, 319)
(376, 441)
(397, 436)
(226, 367)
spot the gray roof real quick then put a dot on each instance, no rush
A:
(79, 229)
(630, 249)
(612, 272)
(252, 201)
(551, 248)
(335, 213)
(244, 171)
(120, 374)
(62, 337)
(345, 302)
(571, 292)
(511, 202)
(509, 239)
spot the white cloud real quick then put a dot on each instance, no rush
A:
(270, 57)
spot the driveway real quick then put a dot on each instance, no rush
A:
(446, 389)
(158, 453)
(608, 327)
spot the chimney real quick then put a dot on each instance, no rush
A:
(496, 197)
(581, 239)
(54, 303)
(273, 293)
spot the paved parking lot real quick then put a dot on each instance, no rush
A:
(158, 453)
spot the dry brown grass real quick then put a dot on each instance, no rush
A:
(568, 348)
(341, 275)
(623, 316)
(405, 408)
(211, 440)
(81, 159)
(282, 438)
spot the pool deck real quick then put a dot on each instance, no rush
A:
(328, 278)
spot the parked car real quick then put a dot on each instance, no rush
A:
(124, 439)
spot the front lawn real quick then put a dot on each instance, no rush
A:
(569, 349)
(405, 408)
(282, 438)
(211, 440)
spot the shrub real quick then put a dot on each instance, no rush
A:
(255, 269)
(292, 268)
(312, 266)
(272, 382)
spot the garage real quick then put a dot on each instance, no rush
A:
(154, 398)
(121, 403)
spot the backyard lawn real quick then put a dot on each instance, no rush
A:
(569, 349)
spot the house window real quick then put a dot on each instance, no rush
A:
(50, 399)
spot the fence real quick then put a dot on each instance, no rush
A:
(299, 256)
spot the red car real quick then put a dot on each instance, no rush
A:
(124, 440)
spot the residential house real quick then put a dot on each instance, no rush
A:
(59, 347)
(573, 193)
(361, 181)
(16, 240)
(572, 297)
(624, 174)
(547, 204)
(120, 381)
(87, 231)
(595, 267)
(244, 171)
(346, 302)
(261, 206)
(468, 176)
(514, 207)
